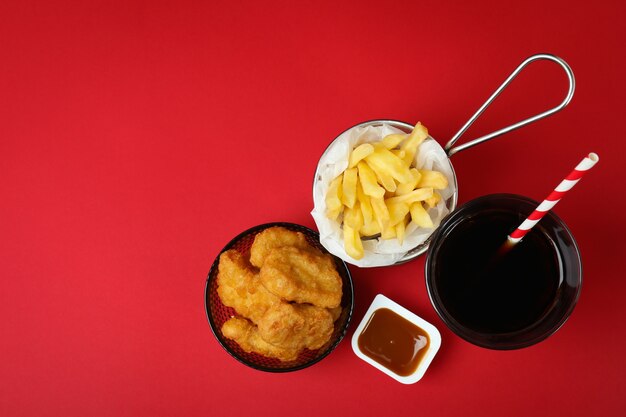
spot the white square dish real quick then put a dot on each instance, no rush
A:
(380, 302)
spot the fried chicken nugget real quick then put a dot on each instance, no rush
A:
(247, 336)
(297, 326)
(302, 276)
(239, 287)
(275, 237)
(335, 312)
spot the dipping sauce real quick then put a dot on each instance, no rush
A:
(394, 342)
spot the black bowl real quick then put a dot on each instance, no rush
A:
(565, 250)
(217, 313)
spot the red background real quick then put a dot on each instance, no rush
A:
(137, 138)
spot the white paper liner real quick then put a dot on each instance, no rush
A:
(377, 252)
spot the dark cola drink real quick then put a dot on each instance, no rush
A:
(494, 292)
(502, 299)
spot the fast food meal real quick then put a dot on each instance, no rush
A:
(382, 191)
(287, 295)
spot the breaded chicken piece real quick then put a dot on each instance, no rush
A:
(297, 326)
(239, 287)
(247, 336)
(275, 237)
(302, 276)
(335, 312)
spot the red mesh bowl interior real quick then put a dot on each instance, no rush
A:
(218, 313)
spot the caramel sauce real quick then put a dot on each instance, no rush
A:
(394, 342)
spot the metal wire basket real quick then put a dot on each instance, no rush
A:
(451, 150)
(217, 313)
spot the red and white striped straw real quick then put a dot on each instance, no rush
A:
(567, 184)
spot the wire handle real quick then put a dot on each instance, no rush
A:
(572, 85)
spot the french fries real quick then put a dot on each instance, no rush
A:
(392, 141)
(365, 204)
(359, 153)
(419, 194)
(419, 216)
(384, 161)
(382, 191)
(407, 187)
(397, 212)
(434, 179)
(414, 140)
(369, 182)
(400, 231)
(353, 217)
(381, 214)
(334, 206)
(352, 242)
(352, 223)
(385, 180)
(350, 177)
(433, 200)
